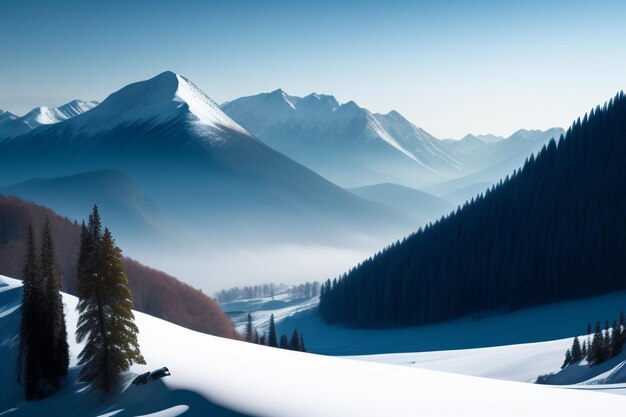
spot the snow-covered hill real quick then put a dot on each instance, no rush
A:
(220, 377)
(11, 125)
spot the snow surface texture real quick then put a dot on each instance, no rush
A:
(214, 376)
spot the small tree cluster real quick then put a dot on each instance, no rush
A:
(43, 350)
(295, 343)
(600, 346)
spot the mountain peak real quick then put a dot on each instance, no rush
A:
(159, 99)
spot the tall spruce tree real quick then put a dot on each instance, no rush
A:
(31, 349)
(272, 341)
(106, 320)
(55, 332)
(302, 348)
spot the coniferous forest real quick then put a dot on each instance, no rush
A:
(554, 230)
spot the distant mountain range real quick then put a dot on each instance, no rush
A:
(344, 142)
(173, 170)
(354, 147)
(12, 125)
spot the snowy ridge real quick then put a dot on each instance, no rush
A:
(209, 372)
(49, 115)
(11, 125)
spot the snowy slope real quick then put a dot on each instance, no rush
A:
(43, 116)
(214, 376)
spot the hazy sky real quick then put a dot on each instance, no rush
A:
(451, 67)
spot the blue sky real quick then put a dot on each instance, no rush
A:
(452, 67)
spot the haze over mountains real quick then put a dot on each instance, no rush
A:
(203, 184)
(354, 147)
(215, 182)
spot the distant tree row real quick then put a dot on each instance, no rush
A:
(600, 346)
(552, 231)
(105, 324)
(296, 342)
(301, 291)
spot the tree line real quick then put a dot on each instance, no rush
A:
(554, 230)
(296, 342)
(106, 322)
(301, 291)
(600, 345)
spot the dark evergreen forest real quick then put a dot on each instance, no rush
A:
(554, 230)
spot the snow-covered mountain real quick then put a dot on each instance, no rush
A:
(217, 376)
(11, 125)
(201, 169)
(344, 142)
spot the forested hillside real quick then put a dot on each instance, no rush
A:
(154, 292)
(554, 230)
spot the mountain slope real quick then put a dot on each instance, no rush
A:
(344, 142)
(195, 163)
(422, 206)
(247, 379)
(39, 116)
(115, 193)
(154, 292)
(554, 231)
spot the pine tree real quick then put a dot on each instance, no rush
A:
(302, 348)
(256, 339)
(616, 340)
(284, 342)
(584, 349)
(55, 341)
(106, 320)
(262, 340)
(249, 329)
(294, 343)
(272, 342)
(577, 353)
(568, 359)
(595, 350)
(30, 357)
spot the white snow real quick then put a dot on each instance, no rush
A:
(262, 381)
(50, 115)
(158, 100)
(12, 125)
